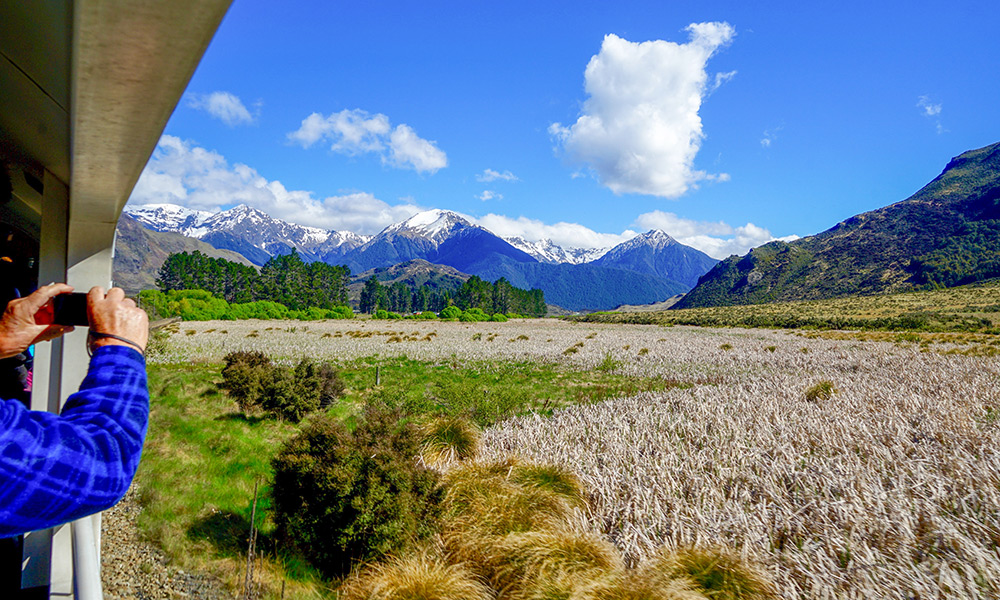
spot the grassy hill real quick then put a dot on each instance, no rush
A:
(946, 234)
(974, 307)
(413, 274)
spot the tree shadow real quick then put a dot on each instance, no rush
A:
(227, 531)
(238, 416)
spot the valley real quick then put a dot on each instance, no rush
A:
(680, 435)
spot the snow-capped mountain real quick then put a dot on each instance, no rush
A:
(547, 251)
(435, 225)
(647, 268)
(248, 231)
(167, 217)
(437, 236)
(656, 253)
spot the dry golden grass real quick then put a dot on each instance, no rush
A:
(529, 563)
(888, 488)
(419, 577)
(717, 573)
(449, 439)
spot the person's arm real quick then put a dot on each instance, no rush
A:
(57, 468)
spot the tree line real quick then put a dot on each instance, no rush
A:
(285, 279)
(497, 297)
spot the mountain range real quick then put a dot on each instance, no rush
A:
(946, 234)
(648, 268)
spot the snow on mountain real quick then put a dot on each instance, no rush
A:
(654, 238)
(435, 225)
(167, 217)
(246, 230)
(656, 253)
(547, 251)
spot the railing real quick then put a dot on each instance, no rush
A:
(87, 558)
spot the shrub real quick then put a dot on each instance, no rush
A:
(244, 376)
(499, 318)
(427, 314)
(253, 381)
(450, 312)
(342, 496)
(330, 385)
(821, 391)
(473, 315)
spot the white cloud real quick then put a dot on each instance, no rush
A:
(770, 135)
(490, 175)
(489, 195)
(722, 78)
(928, 108)
(640, 129)
(572, 235)
(408, 150)
(355, 132)
(931, 110)
(224, 106)
(180, 172)
(716, 239)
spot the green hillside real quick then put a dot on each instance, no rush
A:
(946, 234)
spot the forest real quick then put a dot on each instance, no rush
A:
(288, 280)
(497, 297)
(285, 279)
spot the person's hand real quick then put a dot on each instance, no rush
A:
(28, 320)
(115, 314)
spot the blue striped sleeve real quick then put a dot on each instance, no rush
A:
(57, 468)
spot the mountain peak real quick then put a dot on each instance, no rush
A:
(657, 237)
(435, 224)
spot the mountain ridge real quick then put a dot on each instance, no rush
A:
(632, 272)
(945, 234)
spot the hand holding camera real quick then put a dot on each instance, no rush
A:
(53, 310)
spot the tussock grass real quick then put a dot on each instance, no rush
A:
(484, 501)
(716, 573)
(448, 439)
(551, 564)
(551, 478)
(822, 390)
(641, 585)
(420, 577)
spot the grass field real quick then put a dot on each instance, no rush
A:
(888, 487)
(973, 308)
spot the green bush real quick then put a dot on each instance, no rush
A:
(499, 318)
(244, 376)
(385, 314)
(450, 312)
(342, 496)
(254, 382)
(427, 314)
(473, 315)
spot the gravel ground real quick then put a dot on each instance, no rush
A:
(133, 569)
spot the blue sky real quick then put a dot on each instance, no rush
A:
(724, 123)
